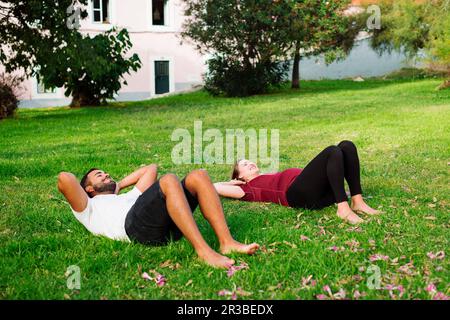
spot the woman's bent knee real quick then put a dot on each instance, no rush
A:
(346, 144)
(333, 150)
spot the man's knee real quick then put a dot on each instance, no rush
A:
(196, 175)
(169, 179)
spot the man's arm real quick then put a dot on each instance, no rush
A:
(230, 189)
(143, 178)
(69, 186)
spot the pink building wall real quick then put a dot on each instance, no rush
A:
(149, 42)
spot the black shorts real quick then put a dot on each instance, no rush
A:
(148, 221)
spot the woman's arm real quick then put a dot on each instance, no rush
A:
(230, 189)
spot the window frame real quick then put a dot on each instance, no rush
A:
(168, 17)
(35, 94)
(108, 12)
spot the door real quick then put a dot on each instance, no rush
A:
(162, 77)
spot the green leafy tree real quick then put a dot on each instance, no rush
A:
(245, 37)
(413, 26)
(37, 38)
(321, 27)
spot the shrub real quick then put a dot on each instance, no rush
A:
(232, 78)
(90, 68)
(8, 98)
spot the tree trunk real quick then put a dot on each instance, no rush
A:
(83, 99)
(296, 69)
(444, 85)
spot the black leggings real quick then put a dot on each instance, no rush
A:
(321, 183)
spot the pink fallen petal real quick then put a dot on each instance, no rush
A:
(431, 255)
(390, 287)
(336, 249)
(407, 268)
(392, 295)
(431, 288)
(441, 296)
(225, 293)
(377, 257)
(401, 290)
(146, 276)
(304, 238)
(160, 280)
(242, 292)
(438, 255)
(340, 294)
(232, 270)
(327, 289)
(321, 297)
(306, 280)
(322, 231)
(356, 294)
(354, 229)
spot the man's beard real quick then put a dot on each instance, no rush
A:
(102, 187)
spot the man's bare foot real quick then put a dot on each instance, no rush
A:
(216, 260)
(364, 208)
(349, 215)
(239, 248)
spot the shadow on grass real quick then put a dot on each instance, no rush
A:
(202, 100)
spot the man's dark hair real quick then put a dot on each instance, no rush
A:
(84, 180)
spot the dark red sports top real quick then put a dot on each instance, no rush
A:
(270, 187)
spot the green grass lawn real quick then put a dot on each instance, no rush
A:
(401, 129)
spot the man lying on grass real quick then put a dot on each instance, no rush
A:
(153, 212)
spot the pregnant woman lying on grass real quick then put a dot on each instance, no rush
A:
(318, 185)
(153, 212)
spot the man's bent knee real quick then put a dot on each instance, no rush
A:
(169, 179)
(197, 174)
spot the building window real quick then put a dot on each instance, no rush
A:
(159, 8)
(100, 10)
(41, 89)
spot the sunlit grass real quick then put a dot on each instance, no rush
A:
(401, 129)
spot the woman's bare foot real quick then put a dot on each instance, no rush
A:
(348, 215)
(364, 208)
(345, 212)
(216, 260)
(359, 206)
(239, 248)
